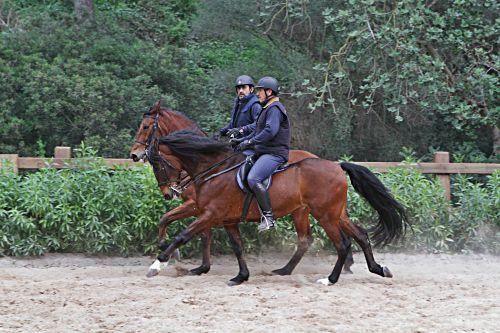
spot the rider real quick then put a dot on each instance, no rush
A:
(270, 142)
(246, 107)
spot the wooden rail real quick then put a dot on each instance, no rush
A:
(441, 166)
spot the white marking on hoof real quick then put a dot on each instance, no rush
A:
(387, 272)
(324, 282)
(156, 267)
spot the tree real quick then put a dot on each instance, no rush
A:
(84, 10)
(402, 66)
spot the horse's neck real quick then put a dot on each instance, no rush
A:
(171, 122)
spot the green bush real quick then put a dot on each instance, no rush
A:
(86, 208)
(89, 207)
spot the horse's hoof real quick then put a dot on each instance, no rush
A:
(281, 271)
(347, 271)
(325, 282)
(237, 280)
(152, 272)
(232, 283)
(155, 268)
(387, 272)
(199, 270)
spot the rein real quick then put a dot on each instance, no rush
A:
(153, 155)
(203, 173)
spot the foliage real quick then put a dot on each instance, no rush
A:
(64, 83)
(423, 72)
(87, 208)
(359, 77)
(91, 208)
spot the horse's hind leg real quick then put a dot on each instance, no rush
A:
(361, 237)
(233, 232)
(206, 241)
(304, 235)
(349, 260)
(342, 245)
(305, 239)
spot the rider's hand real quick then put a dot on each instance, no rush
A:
(244, 145)
(234, 132)
(235, 141)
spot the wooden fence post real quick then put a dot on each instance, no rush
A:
(62, 152)
(444, 157)
(12, 159)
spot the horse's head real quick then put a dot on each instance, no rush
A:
(147, 134)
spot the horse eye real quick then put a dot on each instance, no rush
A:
(146, 126)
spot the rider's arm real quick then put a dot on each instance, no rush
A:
(247, 129)
(273, 121)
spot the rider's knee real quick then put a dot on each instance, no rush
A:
(252, 182)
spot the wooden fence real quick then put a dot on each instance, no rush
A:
(441, 166)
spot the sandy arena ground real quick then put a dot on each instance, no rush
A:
(77, 293)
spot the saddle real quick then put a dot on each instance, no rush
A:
(243, 185)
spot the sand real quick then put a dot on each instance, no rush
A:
(78, 293)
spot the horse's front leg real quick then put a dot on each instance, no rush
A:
(187, 209)
(233, 232)
(206, 241)
(203, 222)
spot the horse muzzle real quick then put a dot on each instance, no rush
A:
(168, 192)
(137, 156)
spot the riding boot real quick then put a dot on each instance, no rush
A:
(262, 196)
(246, 170)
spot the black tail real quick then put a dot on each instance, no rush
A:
(392, 216)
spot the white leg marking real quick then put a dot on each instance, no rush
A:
(156, 266)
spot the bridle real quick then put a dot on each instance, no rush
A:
(158, 162)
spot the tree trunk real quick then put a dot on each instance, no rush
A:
(84, 10)
(496, 141)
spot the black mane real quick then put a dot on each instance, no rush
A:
(191, 145)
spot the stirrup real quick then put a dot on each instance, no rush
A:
(266, 223)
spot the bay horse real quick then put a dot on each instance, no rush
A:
(161, 121)
(219, 201)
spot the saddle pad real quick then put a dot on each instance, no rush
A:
(266, 182)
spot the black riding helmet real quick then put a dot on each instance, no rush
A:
(268, 82)
(244, 80)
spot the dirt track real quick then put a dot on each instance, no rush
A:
(75, 293)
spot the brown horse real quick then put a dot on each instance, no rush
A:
(160, 121)
(219, 200)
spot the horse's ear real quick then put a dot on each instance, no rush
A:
(156, 107)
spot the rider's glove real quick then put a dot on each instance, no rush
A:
(244, 145)
(235, 132)
(235, 141)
